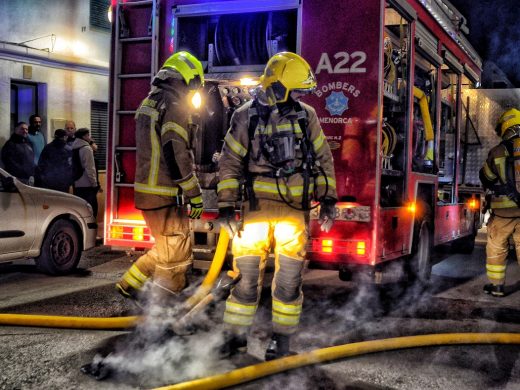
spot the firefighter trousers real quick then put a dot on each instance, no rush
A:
(277, 227)
(171, 255)
(499, 229)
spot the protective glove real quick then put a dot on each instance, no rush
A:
(196, 207)
(226, 219)
(327, 214)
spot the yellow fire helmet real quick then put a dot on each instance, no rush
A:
(188, 66)
(286, 72)
(509, 119)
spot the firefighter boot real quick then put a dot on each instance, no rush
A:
(497, 290)
(234, 343)
(278, 347)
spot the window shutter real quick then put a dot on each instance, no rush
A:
(99, 131)
(99, 14)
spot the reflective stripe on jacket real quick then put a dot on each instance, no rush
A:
(235, 149)
(163, 122)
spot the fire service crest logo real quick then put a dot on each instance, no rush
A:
(336, 103)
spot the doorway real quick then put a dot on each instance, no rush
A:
(27, 98)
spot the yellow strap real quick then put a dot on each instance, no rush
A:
(284, 308)
(331, 182)
(149, 111)
(285, 320)
(189, 184)
(136, 273)
(156, 190)
(237, 319)
(495, 268)
(227, 184)
(318, 142)
(234, 145)
(172, 126)
(239, 308)
(488, 173)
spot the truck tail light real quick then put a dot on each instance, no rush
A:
(339, 247)
(138, 233)
(326, 246)
(135, 233)
(361, 248)
(116, 232)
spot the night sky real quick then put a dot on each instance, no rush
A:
(495, 32)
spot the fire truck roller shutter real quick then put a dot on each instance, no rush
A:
(242, 40)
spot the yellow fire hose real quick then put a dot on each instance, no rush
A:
(427, 120)
(260, 370)
(121, 322)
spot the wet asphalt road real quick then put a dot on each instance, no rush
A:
(335, 313)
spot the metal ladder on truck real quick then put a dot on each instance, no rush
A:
(134, 64)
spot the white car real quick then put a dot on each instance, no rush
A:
(50, 226)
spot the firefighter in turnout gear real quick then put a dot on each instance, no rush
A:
(276, 150)
(164, 172)
(501, 175)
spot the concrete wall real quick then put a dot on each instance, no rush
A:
(75, 69)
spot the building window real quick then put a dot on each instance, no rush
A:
(99, 14)
(99, 131)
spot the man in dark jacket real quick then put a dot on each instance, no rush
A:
(18, 155)
(54, 169)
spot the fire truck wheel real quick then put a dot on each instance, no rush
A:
(61, 249)
(420, 265)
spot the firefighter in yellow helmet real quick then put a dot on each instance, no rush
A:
(276, 148)
(498, 176)
(164, 172)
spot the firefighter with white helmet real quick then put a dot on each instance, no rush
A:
(275, 148)
(164, 172)
(499, 174)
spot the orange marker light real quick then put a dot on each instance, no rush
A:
(411, 207)
(473, 204)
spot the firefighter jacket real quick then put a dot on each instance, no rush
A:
(497, 175)
(165, 165)
(245, 154)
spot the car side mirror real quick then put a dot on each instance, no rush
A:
(8, 184)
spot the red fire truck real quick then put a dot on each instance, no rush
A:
(390, 77)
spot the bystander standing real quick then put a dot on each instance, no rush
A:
(18, 155)
(87, 185)
(54, 170)
(35, 136)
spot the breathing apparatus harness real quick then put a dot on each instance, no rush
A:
(279, 149)
(508, 187)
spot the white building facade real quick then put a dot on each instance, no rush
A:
(54, 62)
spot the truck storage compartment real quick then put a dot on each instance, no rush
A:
(234, 40)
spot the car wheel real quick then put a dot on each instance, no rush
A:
(61, 249)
